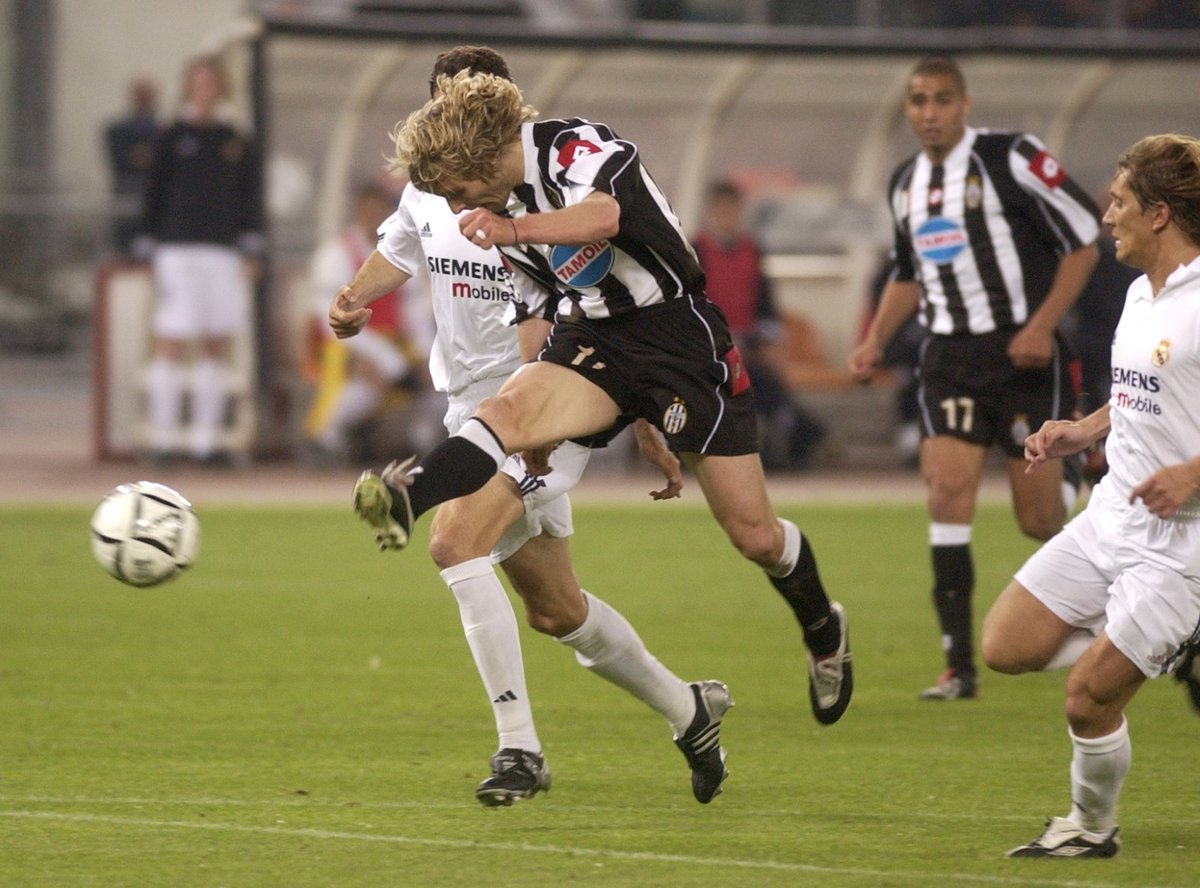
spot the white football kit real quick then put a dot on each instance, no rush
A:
(201, 291)
(1116, 567)
(475, 348)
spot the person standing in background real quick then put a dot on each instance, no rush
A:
(993, 243)
(202, 223)
(789, 436)
(130, 142)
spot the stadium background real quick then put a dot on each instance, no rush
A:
(799, 101)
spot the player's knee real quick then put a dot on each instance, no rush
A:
(448, 548)
(1083, 711)
(757, 543)
(555, 620)
(548, 623)
(949, 499)
(1000, 655)
(502, 417)
(1040, 526)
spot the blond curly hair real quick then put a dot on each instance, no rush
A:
(460, 133)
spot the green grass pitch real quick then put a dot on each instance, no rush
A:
(301, 710)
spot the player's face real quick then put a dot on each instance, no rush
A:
(204, 87)
(937, 110)
(468, 194)
(1132, 225)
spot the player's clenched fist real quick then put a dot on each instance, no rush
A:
(345, 318)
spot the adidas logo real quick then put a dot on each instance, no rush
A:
(425, 232)
(529, 484)
(506, 697)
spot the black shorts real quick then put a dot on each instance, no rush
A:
(969, 389)
(673, 364)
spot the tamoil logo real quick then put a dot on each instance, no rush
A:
(939, 240)
(582, 266)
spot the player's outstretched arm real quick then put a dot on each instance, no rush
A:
(348, 312)
(655, 450)
(1063, 437)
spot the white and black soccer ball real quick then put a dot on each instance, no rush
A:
(144, 533)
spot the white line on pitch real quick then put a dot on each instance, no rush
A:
(470, 845)
(294, 800)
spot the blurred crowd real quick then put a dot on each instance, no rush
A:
(1151, 14)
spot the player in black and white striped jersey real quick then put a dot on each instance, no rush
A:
(993, 244)
(648, 260)
(569, 203)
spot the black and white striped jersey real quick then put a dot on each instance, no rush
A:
(983, 231)
(649, 261)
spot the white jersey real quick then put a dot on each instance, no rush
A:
(475, 348)
(469, 286)
(1155, 400)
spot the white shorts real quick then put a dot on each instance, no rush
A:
(201, 291)
(1117, 568)
(547, 506)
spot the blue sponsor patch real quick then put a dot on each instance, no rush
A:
(583, 266)
(939, 240)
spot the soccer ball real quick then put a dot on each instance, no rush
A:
(144, 533)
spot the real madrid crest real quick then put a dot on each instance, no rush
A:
(1162, 353)
(675, 417)
(974, 192)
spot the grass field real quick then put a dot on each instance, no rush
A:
(301, 710)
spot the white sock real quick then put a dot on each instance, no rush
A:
(479, 434)
(941, 534)
(491, 629)
(1071, 650)
(208, 406)
(1098, 769)
(791, 550)
(356, 401)
(610, 647)
(1070, 495)
(164, 397)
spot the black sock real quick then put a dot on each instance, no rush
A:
(803, 591)
(454, 468)
(953, 584)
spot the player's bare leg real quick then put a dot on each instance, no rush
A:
(542, 404)
(736, 491)
(1037, 498)
(952, 470)
(1099, 688)
(1020, 634)
(539, 405)
(462, 535)
(605, 643)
